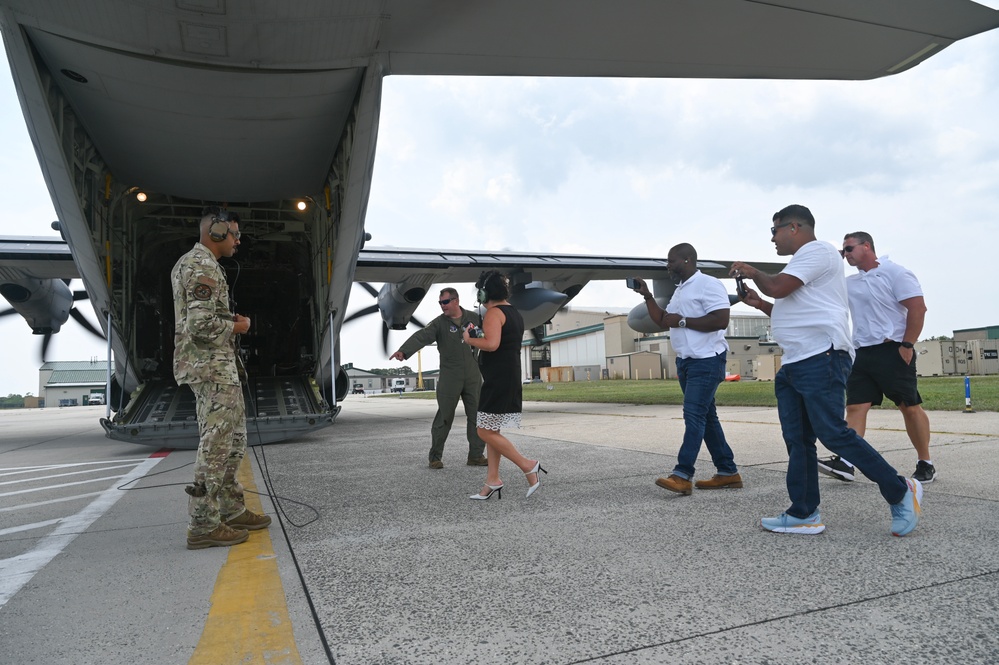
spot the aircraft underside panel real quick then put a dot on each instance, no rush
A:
(278, 409)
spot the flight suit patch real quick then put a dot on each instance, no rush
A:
(202, 292)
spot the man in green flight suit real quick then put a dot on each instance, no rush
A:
(459, 375)
(205, 358)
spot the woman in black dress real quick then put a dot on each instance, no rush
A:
(501, 393)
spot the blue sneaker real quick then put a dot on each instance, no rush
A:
(784, 523)
(905, 513)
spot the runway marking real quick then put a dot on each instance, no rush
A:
(29, 527)
(248, 621)
(17, 571)
(36, 504)
(63, 475)
(79, 482)
(14, 470)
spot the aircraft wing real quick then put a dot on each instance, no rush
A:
(50, 258)
(812, 39)
(389, 264)
(541, 283)
(38, 257)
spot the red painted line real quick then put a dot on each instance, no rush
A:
(162, 452)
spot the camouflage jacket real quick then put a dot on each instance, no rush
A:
(204, 348)
(457, 358)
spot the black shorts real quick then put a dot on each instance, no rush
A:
(880, 371)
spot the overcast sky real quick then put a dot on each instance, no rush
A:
(633, 167)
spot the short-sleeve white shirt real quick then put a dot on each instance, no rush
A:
(814, 317)
(697, 296)
(875, 302)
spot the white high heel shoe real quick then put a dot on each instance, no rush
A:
(493, 489)
(537, 468)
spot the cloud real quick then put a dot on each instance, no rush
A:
(632, 167)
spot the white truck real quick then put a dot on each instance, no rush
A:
(397, 385)
(95, 399)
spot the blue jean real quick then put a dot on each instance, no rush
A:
(811, 400)
(699, 379)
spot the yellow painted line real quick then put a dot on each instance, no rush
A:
(248, 622)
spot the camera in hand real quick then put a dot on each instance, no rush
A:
(474, 330)
(631, 282)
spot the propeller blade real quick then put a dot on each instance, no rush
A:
(370, 289)
(82, 320)
(80, 295)
(8, 312)
(385, 332)
(371, 309)
(45, 345)
(416, 321)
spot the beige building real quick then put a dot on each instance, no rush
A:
(72, 382)
(600, 343)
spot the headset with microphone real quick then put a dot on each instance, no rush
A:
(481, 295)
(219, 229)
(499, 289)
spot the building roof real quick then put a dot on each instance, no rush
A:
(578, 332)
(77, 377)
(635, 353)
(358, 373)
(58, 365)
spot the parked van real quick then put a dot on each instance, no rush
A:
(95, 398)
(397, 385)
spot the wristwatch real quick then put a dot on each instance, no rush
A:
(683, 322)
(907, 345)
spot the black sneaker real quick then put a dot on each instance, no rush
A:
(925, 472)
(836, 468)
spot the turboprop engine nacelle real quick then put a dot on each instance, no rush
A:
(44, 303)
(398, 301)
(639, 319)
(537, 303)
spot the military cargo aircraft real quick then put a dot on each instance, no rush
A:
(142, 112)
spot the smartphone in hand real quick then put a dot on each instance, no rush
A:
(631, 282)
(740, 287)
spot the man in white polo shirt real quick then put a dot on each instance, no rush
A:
(697, 317)
(887, 306)
(810, 322)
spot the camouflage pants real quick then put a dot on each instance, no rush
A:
(222, 424)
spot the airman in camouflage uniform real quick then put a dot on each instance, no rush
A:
(459, 375)
(205, 358)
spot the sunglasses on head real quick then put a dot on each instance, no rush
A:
(446, 301)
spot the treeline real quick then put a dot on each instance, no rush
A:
(12, 402)
(393, 371)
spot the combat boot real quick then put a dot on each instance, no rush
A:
(220, 536)
(249, 520)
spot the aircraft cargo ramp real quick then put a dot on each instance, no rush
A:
(278, 408)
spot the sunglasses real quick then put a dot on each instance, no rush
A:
(773, 229)
(846, 250)
(446, 301)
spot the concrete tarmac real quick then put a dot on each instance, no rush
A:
(599, 565)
